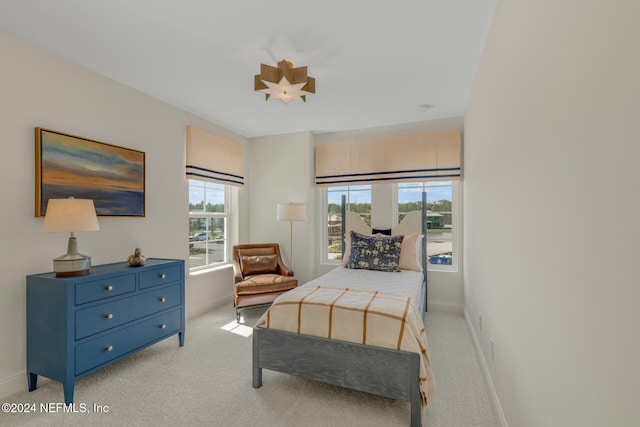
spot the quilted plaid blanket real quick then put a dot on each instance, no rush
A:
(361, 316)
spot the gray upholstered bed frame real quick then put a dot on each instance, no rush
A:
(382, 371)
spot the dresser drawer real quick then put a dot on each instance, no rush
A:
(160, 276)
(105, 316)
(101, 350)
(104, 288)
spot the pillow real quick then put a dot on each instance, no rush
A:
(386, 231)
(374, 252)
(410, 253)
(347, 248)
(259, 264)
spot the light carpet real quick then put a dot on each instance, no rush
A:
(208, 383)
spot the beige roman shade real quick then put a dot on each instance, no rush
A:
(213, 158)
(427, 156)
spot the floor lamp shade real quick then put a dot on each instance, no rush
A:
(291, 212)
(69, 216)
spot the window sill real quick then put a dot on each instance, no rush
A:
(211, 270)
(443, 269)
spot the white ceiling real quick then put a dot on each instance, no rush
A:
(375, 62)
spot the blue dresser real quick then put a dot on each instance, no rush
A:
(77, 325)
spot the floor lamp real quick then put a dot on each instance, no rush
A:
(291, 212)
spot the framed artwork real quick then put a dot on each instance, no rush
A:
(66, 165)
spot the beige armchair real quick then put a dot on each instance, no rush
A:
(259, 275)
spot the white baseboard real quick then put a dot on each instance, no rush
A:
(493, 395)
(13, 384)
(444, 306)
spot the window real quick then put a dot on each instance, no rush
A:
(358, 198)
(392, 199)
(208, 224)
(441, 224)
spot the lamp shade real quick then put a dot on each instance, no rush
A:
(291, 212)
(70, 215)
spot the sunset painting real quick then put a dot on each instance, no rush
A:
(113, 177)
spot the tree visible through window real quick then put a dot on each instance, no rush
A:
(208, 223)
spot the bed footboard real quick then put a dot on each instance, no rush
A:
(381, 371)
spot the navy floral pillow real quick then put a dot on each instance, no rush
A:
(374, 252)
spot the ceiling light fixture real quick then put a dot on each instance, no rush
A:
(284, 82)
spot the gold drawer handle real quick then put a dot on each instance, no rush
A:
(109, 316)
(163, 326)
(163, 276)
(109, 288)
(163, 299)
(109, 348)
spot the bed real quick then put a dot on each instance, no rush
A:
(374, 338)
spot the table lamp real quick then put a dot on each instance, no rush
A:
(69, 216)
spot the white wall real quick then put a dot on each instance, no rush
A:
(551, 211)
(281, 171)
(40, 90)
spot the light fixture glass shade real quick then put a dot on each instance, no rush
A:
(284, 91)
(291, 212)
(71, 215)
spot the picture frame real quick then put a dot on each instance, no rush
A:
(72, 166)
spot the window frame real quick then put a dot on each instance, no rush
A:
(228, 218)
(456, 215)
(456, 234)
(324, 253)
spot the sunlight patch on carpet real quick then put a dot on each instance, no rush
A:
(238, 329)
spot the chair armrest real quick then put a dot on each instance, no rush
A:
(237, 273)
(284, 270)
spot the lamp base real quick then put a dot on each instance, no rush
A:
(72, 273)
(69, 265)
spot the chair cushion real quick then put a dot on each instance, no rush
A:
(269, 250)
(258, 264)
(262, 283)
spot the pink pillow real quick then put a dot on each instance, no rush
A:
(410, 253)
(347, 249)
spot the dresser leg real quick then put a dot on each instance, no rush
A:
(181, 338)
(32, 381)
(68, 392)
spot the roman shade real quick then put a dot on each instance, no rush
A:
(427, 156)
(213, 158)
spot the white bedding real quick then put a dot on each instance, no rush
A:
(404, 282)
(360, 306)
